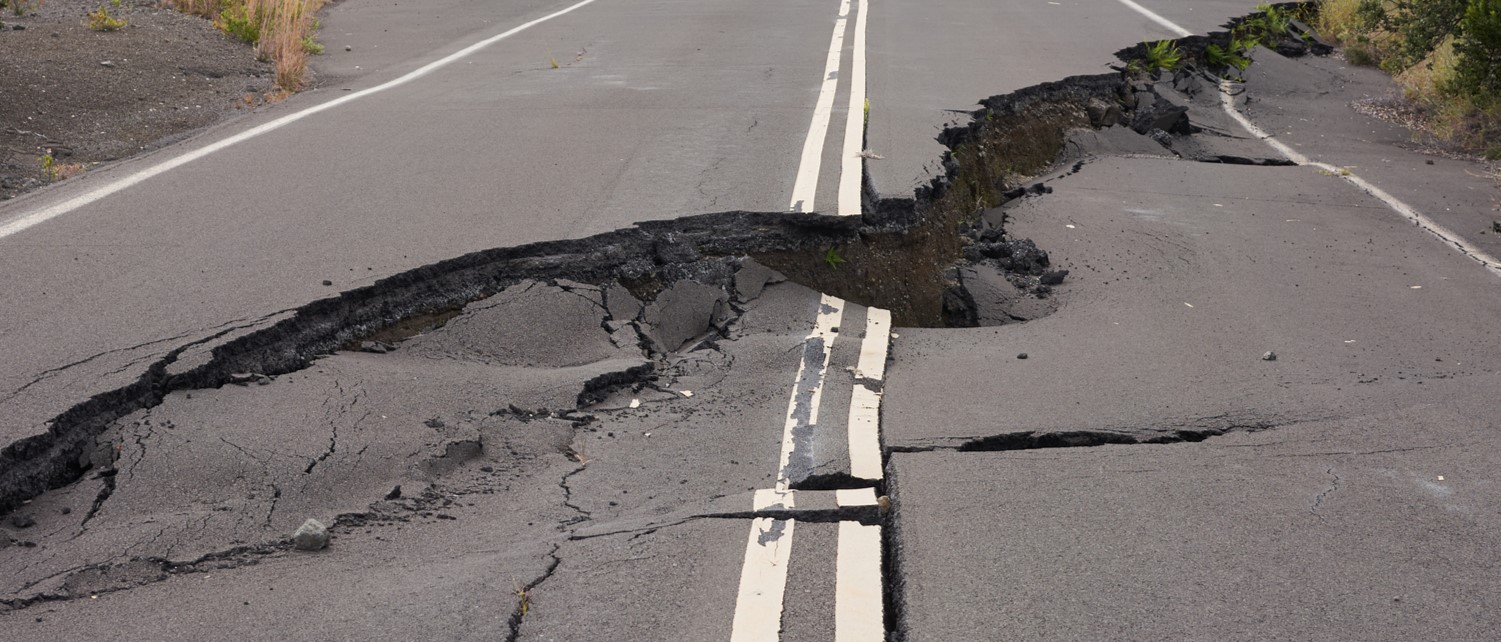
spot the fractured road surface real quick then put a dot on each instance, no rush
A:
(645, 434)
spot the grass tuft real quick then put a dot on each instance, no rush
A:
(100, 20)
(282, 31)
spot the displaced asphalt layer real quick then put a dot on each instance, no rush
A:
(1251, 397)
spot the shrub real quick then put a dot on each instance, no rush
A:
(1477, 71)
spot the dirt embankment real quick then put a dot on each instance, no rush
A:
(80, 96)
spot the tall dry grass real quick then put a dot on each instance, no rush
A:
(281, 30)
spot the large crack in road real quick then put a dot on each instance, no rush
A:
(480, 376)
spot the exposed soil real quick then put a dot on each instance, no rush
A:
(95, 96)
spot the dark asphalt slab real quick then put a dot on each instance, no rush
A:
(460, 462)
(1377, 526)
(1182, 275)
(1326, 363)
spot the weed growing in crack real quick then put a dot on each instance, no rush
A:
(1162, 55)
(1219, 58)
(553, 62)
(833, 257)
(100, 20)
(523, 597)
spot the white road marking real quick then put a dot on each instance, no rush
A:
(807, 390)
(773, 498)
(763, 576)
(858, 604)
(852, 168)
(805, 187)
(865, 404)
(763, 581)
(1429, 225)
(849, 497)
(1168, 24)
(47, 213)
(1227, 102)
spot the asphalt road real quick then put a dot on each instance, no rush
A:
(1144, 472)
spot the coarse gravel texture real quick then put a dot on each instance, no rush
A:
(89, 97)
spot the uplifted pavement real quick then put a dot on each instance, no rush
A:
(1263, 409)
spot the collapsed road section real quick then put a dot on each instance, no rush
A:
(623, 401)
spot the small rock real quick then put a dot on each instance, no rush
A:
(66, 510)
(1022, 356)
(1053, 277)
(327, 282)
(1429, 161)
(376, 347)
(348, 48)
(395, 493)
(107, 63)
(1496, 226)
(434, 423)
(21, 520)
(263, 380)
(312, 535)
(487, 469)
(1269, 356)
(18, 27)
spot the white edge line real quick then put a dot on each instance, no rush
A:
(858, 602)
(865, 404)
(1168, 24)
(1407, 211)
(852, 168)
(53, 211)
(763, 582)
(1429, 225)
(805, 186)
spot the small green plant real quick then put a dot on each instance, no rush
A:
(553, 62)
(49, 166)
(867, 112)
(236, 21)
(1163, 54)
(1277, 22)
(115, 3)
(523, 597)
(312, 46)
(100, 20)
(833, 257)
(1233, 57)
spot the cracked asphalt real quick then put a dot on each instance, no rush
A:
(1257, 405)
